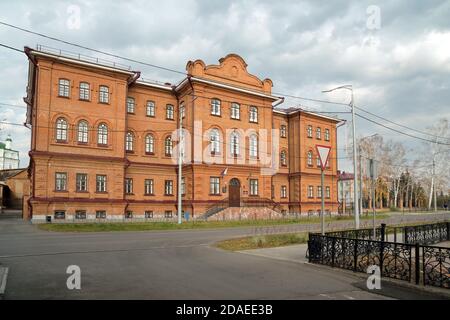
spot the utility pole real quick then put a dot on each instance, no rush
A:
(434, 182)
(355, 171)
(360, 179)
(323, 199)
(372, 178)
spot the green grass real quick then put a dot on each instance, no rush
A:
(146, 226)
(266, 241)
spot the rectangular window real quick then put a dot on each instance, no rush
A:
(168, 187)
(149, 184)
(60, 181)
(283, 130)
(129, 215)
(253, 117)
(318, 133)
(235, 111)
(80, 214)
(150, 109)
(215, 107)
(309, 131)
(82, 182)
(327, 192)
(104, 94)
(253, 187)
(182, 111)
(214, 185)
(310, 191)
(168, 214)
(319, 192)
(128, 185)
(148, 214)
(130, 105)
(283, 191)
(100, 214)
(101, 183)
(64, 88)
(59, 214)
(84, 91)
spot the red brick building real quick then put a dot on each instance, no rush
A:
(105, 143)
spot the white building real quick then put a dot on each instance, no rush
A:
(9, 159)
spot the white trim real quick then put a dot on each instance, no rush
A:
(230, 87)
(80, 62)
(154, 85)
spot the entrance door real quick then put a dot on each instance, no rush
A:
(235, 193)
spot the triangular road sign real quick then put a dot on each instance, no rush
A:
(324, 153)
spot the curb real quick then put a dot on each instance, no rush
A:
(3, 278)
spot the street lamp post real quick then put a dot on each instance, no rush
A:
(355, 173)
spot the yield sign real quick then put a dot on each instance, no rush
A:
(324, 153)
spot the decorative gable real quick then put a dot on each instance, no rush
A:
(232, 70)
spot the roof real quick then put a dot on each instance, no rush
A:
(345, 176)
(9, 173)
(293, 110)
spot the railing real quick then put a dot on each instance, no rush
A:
(260, 202)
(394, 259)
(427, 233)
(215, 208)
(436, 266)
(355, 250)
(81, 57)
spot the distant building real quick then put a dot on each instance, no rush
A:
(14, 190)
(9, 158)
(345, 190)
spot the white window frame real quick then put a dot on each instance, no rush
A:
(235, 111)
(150, 108)
(64, 88)
(215, 107)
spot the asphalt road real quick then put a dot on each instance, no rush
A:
(159, 265)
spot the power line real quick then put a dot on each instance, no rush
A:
(401, 132)
(91, 49)
(12, 48)
(400, 125)
(179, 72)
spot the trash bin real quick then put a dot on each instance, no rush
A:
(48, 218)
(186, 216)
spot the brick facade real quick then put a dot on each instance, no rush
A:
(68, 111)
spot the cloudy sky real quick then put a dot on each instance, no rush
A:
(396, 54)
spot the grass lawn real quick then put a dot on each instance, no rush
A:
(266, 241)
(145, 226)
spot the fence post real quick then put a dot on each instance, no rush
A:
(448, 231)
(355, 255)
(395, 234)
(333, 243)
(417, 264)
(383, 231)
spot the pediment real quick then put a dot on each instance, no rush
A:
(232, 69)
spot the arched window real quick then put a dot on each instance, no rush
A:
(149, 144)
(283, 159)
(84, 91)
(234, 145)
(253, 148)
(168, 146)
(83, 131)
(61, 129)
(214, 139)
(310, 158)
(129, 140)
(102, 136)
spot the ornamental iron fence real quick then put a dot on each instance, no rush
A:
(427, 233)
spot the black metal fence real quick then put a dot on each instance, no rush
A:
(356, 250)
(427, 233)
